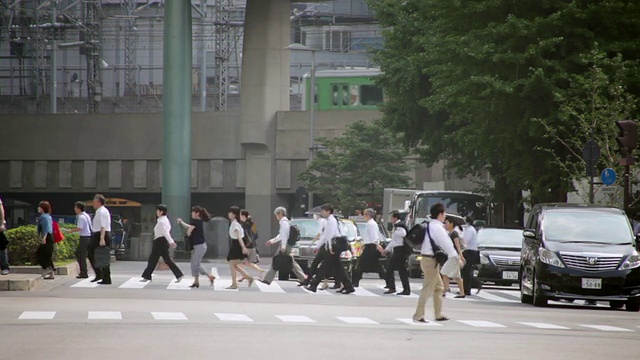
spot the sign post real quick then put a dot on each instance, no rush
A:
(590, 155)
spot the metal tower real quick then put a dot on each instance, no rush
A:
(222, 23)
(130, 37)
(92, 45)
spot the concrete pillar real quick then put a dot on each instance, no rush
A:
(265, 91)
(176, 156)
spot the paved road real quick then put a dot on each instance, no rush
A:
(165, 320)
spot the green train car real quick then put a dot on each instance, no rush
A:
(344, 89)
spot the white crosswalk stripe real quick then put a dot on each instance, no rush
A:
(169, 316)
(544, 326)
(37, 315)
(489, 296)
(85, 283)
(356, 320)
(360, 291)
(271, 288)
(411, 322)
(606, 328)
(182, 285)
(104, 315)
(233, 317)
(481, 324)
(134, 283)
(295, 318)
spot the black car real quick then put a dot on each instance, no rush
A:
(499, 256)
(573, 251)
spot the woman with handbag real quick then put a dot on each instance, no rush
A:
(451, 268)
(45, 235)
(237, 250)
(252, 257)
(197, 243)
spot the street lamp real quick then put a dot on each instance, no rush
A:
(312, 102)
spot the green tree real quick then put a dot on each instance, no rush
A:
(354, 168)
(590, 107)
(466, 81)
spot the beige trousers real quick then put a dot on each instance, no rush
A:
(432, 287)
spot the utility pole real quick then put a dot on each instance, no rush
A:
(628, 141)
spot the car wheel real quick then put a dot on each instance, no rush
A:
(616, 304)
(633, 305)
(524, 298)
(415, 273)
(538, 298)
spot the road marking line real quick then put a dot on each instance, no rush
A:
(169, 316)
(223, 284)
(295, 318)
(606, 328)
(327, 291)
(271, 288)
(479, 323)
(104, 315)
(134, 283)
(544, 326)
(233, 317)
(514, 293)
(412, 296)
(37, 315)
(360, 291)
(182, 285)
(487, 296)
(411, 322)
(85, 283)
(356, 320)
(214, 272)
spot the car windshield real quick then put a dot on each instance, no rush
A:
(308, 228)
(348, 229)
(586, 226)
(500, 238)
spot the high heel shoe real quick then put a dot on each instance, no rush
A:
(194, 285)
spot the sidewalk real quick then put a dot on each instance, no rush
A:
(25, 278)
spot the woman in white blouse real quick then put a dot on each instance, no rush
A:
(162, 241)
(238, 250)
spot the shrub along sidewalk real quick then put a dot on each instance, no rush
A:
(23, 243)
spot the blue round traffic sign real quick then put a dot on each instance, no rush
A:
(608, 176)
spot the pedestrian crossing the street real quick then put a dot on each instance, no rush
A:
(378, 320)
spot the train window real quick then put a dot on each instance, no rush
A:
(355, 95)
(335, 95)
(371, 95)
(345, 95)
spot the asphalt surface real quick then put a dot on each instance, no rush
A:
(68, 318)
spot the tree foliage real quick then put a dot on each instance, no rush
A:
(353, 169)
(466, 80)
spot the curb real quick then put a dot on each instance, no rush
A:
(20, 282)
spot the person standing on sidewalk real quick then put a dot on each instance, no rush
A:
(83, 227)
(162, 241)
(4, 243)
(399, 255)
(101, 236)
(195, 232)
(285, 246)
(45, 235)
(432, 286)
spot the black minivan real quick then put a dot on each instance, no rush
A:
(574, 251)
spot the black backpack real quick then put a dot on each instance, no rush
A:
(294, 235)
(408, 249)
(415, 236)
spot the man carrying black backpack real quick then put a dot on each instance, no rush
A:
(287, 237)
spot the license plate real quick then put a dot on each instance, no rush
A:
(591, 283)
(510, 275)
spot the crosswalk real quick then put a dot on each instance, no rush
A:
(378, 320)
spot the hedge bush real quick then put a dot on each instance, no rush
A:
(23, 243)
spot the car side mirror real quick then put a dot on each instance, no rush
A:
(529, 234)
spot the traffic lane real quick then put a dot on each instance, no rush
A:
(165, 341)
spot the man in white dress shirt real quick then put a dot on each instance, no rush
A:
(399, 255)
(369, 259)
(432, 285)
(471, 255)
(83, 228)
(101, 237)
(285, 248)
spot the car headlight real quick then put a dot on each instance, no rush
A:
(632, 262)
(550, 258)
(484, 260)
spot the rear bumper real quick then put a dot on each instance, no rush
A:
(497, 274)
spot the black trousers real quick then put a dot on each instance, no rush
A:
(313, 268)
(105, 272)
(369, 261)
(330, 263)
(81, 254)
(160, 249)
(398, 262)
(472, 258)
(45, 254)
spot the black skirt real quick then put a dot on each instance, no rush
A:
(235, 251)
(369, 259)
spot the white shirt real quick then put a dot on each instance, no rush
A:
(102, 219)
(322, 223)
(163, 229)
(83, 222)
(470, 238)
(440, 237)
(330, 231)
(283, 234)
(370, 235)
(397, 238)
(3, 222)
(235, 225)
